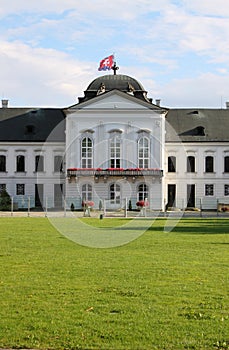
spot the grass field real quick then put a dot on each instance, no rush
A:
(165, 291)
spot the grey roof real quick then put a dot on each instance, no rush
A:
(32, 124)
(119, 82)
(48, 124)
(197, 125)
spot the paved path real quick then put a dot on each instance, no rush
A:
(119, 214)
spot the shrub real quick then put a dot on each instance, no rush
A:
(72, 207)
(5, 200)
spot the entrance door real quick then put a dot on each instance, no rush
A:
(191, 196)
(58, 194)
(171, 196)
(39, 195)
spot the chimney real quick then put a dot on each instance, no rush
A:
(5, 103)
(158, 102)
(227, 105)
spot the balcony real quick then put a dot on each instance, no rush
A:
(98, 173)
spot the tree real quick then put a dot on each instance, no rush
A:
(5, 200)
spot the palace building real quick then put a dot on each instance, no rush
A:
(116, 145)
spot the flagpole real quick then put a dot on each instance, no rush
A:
(114, 67)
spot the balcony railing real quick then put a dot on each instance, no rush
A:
(98, 172)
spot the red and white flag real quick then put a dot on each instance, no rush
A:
(107, 63)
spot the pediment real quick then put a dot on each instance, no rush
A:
(114, 100)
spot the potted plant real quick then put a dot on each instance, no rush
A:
(87, 205)
(142, 204)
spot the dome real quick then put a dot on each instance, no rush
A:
(119, 82)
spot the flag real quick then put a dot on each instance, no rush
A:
(106, 63)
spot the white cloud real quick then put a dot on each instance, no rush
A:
(121, 9)
(209, 7)
(145, 35)
(41, 77)
(207, 90)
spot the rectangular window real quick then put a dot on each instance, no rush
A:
(20, 167)
(58, 164)
(209, 190)
(115, 152)
(209, 164)
(226, 164)
(190, 164)
(226, 190)
(143, 152)
(3, 163)
(172, 164)
(2, 187)
(20, 190)
(86, 153)
(39, 163)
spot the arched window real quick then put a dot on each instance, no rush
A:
(209, 164)
(39, 163)
(172, 164)
(86, 152)
(87, 192)
(143, 192)
(115, 194)
(143, 152)
(20, 166)
(115, 152)
(190, 164)
(2, 163)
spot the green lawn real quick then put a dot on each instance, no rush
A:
(164, 290)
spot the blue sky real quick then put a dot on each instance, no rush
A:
(50, 49)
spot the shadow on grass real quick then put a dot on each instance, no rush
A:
(220, 243)
(199, 226)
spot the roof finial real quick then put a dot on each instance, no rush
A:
(115, 68)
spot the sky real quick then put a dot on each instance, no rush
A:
(50, 49)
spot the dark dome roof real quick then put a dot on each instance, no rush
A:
(119, 82)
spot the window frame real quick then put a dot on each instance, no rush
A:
(2, 163)
(171, 164)
(191, 164)
(86, 152)
(2, 187)
(144, 152)
(58, 163)
(39, 163)
(226, 164)
(209, 164)
(115, 152)
(20, 163)
(115, 193)
(20, 188)
(209, 190)
(87, 192)
(226, 190)
(143, 193)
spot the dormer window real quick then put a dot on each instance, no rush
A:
(29, 129)
(200, 131)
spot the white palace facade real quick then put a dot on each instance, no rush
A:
(115, 146)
